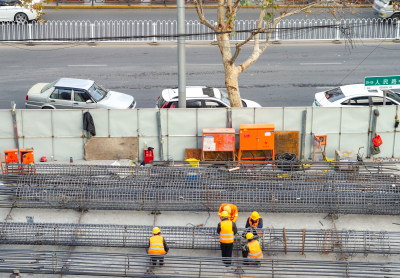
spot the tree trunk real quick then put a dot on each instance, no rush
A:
(232, 72)
(232, 85)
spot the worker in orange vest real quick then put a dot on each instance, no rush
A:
(254, 223)
(157, 247)
(231, 209)
(252, 250)
(226, 230)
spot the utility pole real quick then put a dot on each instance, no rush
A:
(181, 54)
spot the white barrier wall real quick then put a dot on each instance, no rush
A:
(59, 134)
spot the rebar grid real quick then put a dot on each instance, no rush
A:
(324, 241)
(138, 265)
(194, 177)
(277, 197)
(258, 169)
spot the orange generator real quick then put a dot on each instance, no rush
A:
(218, 140)
(256, 139)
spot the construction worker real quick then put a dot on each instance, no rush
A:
(226, 230)
(252, 250)
(254, 223)
(157, 247)
(231, 210)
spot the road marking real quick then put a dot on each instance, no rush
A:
(87, 65)
(320, 63)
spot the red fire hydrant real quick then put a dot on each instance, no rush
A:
(148, 155)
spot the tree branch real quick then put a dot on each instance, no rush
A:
(256, 51)
(199, 9)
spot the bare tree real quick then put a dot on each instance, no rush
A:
(225, 27)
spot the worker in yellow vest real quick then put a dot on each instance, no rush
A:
(157, 247)
(254, 223)
(231, 209)
(226, 230)
(252, 250)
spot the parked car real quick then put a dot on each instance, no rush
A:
(199, 97)
(355, 95)
(386, 9)
(70, 93)
(13, 10)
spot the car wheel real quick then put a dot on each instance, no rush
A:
(46, 107)
(21, 18)
(395, 18)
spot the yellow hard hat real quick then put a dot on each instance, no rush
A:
(156, 230)
(254, 215)
(224, 214)
(227, 209)
(249, 236)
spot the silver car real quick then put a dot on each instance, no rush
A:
(71, 93)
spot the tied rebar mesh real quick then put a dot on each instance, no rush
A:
(264, 189)
(324, 241)
(138, 265)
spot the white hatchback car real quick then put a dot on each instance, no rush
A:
(199, 97)
(355, 95)
(13, 10)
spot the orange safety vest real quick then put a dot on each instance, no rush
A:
(255, 252)
(226, 235)
(156, 245)
(255, 223)
(259, 231)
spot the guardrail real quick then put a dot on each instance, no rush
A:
(166, 31)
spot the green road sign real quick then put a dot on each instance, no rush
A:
(382, 82)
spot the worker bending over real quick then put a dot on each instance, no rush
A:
(231, 210)
(254, 223)
(157, 247)
(226, 230)
(252, 250)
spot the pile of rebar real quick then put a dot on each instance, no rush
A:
(139, 265)
(324, 241)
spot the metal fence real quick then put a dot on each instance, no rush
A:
(301, 241)
(138, 265)
(166, 31)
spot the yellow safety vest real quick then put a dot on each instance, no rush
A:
(226, 235)
(255, 252)
(157, 245)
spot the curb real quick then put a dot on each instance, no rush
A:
(170, 7)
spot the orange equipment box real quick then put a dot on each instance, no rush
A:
(11, 156)
(257, 137)
(26, 156)
(218, 140)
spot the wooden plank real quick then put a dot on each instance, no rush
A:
(287, 142)
(98, 148)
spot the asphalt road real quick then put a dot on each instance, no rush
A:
(285, 75)
(190, 14)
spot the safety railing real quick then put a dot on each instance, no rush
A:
(166, 31)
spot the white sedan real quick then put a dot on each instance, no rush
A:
(14, 10)
(355, 95)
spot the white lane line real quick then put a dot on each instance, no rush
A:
(87, 65)
(320, 63)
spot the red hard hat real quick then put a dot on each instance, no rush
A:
(43, 159)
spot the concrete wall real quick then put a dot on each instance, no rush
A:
(59, 134)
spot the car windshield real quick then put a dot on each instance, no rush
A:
(48, 86)
(334, 94)
(97, 92)
(225, 97)
(393, 96)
